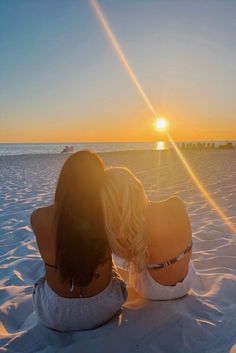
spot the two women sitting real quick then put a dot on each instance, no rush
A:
(95, 213)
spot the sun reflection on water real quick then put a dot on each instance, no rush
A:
(160, 146)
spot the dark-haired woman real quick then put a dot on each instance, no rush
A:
(81, 288)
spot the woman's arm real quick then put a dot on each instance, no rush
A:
(34, 220)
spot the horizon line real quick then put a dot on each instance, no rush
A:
(102, 142)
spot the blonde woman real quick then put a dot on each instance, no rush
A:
(154, 237)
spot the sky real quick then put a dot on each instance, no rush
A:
(61, 81)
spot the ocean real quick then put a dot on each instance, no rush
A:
(48, 148)
(9, 149)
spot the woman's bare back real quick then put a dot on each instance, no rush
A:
(43, 225)
(169, 234)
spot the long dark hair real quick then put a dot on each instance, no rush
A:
(81, 242)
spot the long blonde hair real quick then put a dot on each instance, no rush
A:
(124, 205)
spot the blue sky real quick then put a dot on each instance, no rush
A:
(61, 81)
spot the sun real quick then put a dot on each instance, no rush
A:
(161, 124)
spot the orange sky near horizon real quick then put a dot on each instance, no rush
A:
(135, 130)
(132, 124)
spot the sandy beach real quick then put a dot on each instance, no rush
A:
(202, 322)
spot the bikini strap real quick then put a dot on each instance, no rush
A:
(171, 261)
(50, 265)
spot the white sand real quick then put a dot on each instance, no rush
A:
(204, 321)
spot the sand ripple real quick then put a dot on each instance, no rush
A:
(203, 321)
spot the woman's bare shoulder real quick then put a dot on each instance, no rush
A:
(40, 217)
(171, 205)
(169, 216)
(169, 229)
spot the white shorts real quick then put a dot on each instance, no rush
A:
(148, 288)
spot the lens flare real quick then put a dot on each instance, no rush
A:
(120, 54)
(122, 58)
(203, 191)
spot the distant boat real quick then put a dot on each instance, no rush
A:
(227, 146)
(68, 149)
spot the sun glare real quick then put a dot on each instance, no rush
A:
(161, 124)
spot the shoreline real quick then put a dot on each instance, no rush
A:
(131, 152)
